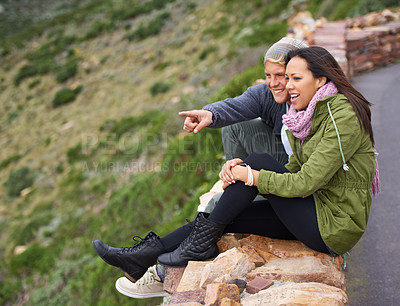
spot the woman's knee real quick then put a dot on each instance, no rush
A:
(258, 160)
(261, 160)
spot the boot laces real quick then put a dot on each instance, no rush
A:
(138, 244)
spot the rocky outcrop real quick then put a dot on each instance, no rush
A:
(276, 272)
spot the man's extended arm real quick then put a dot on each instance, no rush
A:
(256, 101)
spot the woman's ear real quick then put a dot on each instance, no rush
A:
(321, 81)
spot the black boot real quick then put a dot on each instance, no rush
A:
(134, 260)
(201, 244)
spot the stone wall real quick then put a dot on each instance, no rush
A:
(359, 45)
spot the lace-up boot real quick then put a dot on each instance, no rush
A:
(201, 244)
(134, 260)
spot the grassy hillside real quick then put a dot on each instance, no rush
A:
(92, 146)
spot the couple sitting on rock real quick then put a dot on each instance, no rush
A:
(302, 140)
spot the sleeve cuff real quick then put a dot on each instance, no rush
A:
(214, 114)
(263, 181)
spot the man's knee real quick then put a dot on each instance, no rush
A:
(228, 132)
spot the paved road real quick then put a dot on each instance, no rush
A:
(373, 272)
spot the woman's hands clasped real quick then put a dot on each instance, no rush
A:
(226, 175)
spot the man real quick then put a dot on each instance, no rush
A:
(241, 133)
(251, 122)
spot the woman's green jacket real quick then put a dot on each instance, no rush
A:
(342, 198)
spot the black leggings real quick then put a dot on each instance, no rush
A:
(274, 217)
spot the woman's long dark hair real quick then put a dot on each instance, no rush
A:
(322, 64)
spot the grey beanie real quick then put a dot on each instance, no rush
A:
(278, 51)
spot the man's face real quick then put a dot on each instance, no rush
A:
(276, 82)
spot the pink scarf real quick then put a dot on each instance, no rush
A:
(299, 123)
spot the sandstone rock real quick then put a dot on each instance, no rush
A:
(289, 248)
(227, 266)
(196, 296)
(373, 19)
(191, 277)
(260, 244)
(229, 302)
(310, 294)
(277, 247)
(337, 261)
(215, 293)
(253, 255)
(172, 279)
(301, 269)
(227, 242)
(258, 284)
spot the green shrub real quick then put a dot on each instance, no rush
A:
(274, 8)
(42, 59)
(51, 49)
(67, 71)
(130, 124)
(135, 9)
(9, 160)
(8, 291)
(12, 115)
(26, 71)
(74, 178)
(363, 7)
(239, 83)
(99, 28)
(26, 34)
(75, 153)
(71, 270)
(124, 13)
(265, 33)
(35, 258)
(220, 28)
(65, 96)
(150, 28)
(26, 232)
(18, 180)
(210, 49)
(189, 6)
(159, 87)
(59, 167)
(334, 10)
(161, 65)
(34, 83)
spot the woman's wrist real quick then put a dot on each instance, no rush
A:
(240, 173)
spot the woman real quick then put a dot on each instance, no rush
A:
(322, 197)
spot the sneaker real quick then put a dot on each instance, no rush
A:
(149, 286)
(134, 260)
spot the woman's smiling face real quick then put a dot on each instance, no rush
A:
(301, 84)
